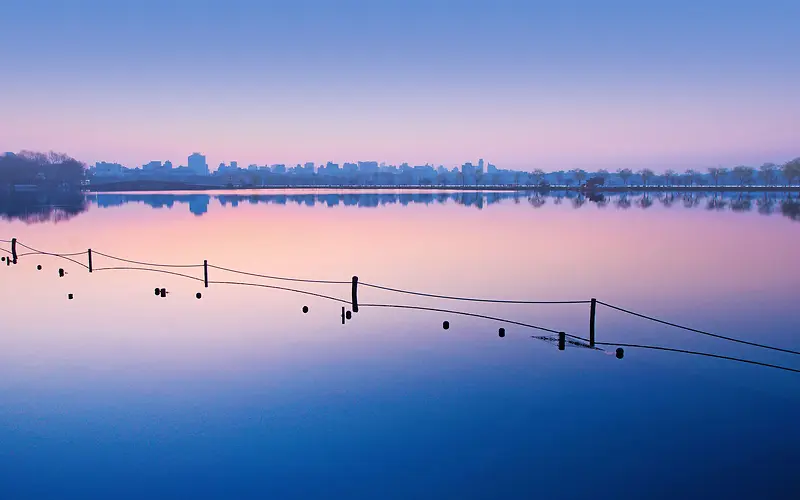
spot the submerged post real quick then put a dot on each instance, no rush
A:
(355, 294)
(14, 250)
(562, 340)
(90, 259)
(205, 273)
(592, 311)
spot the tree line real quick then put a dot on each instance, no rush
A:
(47, 170)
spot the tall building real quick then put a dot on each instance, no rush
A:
(197, 164)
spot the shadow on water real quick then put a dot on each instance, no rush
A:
(34, 207)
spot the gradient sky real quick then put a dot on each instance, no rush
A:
(523, 84)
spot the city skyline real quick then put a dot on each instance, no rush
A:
(578, 85)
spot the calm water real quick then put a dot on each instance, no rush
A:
(118, 393)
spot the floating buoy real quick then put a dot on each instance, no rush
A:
(61, 272)
(158, 292)
(305, 309)
(69, 296)
(501, 332)
(198, 295)
(620, 352)
(446, 325)
(348, 315)
(39, 267)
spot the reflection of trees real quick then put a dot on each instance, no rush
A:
(537, 201)
(742, 203)
(578, 201)
(766, 205)
(690, 200)
(623, 202)
(791, 209)
(42, 207)
(716, 203)
(646, 201)
(667, 199)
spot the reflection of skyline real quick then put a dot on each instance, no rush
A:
(37, 209)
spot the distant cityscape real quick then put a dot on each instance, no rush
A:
(38, 171)
(365, 173)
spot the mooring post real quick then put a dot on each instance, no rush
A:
(342, 314)
(592, 311)
(562, 339)
(90, 259)
(355, 294)
(205, 273)
(14, 250)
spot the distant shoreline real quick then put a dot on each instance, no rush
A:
(176, 186)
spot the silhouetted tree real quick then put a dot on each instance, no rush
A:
(625, 174)
(691, 176)
(744, 174)
(579, 175)
(767, 173)
(646, 174)
(791, 171)
(717, 173)
(669, 176)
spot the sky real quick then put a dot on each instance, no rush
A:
(522, 84)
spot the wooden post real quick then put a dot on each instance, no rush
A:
(14, 250)
(90, 260)
(355, 294)
(342, 314)
(562, 337)
(592, 311)
(205, 273)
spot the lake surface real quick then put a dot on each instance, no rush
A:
(118, 393)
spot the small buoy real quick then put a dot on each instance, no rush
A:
(502, 332)
(3, 259)
(158, 292)
(198, 295)
(348, 315)
(446, 325)
(620, 352)
(163, 292)
(305, 309)
(39, 267)
(61, 272)
(69, 296)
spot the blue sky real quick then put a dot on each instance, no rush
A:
(523, 84)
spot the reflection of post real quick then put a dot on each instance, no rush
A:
(14, 250)
(591, 322)
(90, 259)
(205, 273)
(355, 294)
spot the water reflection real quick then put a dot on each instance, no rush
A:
(55, 207)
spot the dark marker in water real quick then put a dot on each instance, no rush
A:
(348, 315)
(620, 352)
(158, 292)
(446, 325)
(61, 272)
(39, 267)
(305, 309)
(501, 332)
(69, 296)
(198, 295)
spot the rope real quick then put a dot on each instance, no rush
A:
(684, 351)
(731, 339)
(435, 309)
(145, 263)
(273, 287)
(470, 299)
(278, 277)
(149, 270)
